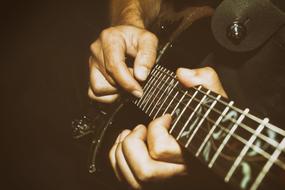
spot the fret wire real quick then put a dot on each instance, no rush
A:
(166, 98)
(156, 94)
(240, 139)
(254, 147)
(268, 165)
(159, 74)
(261, 152)
(153, 87)
(170, 102)
(257, 149)
(179, 102)
(152, 92)
(256, 119)
(162, 95)
(261, 136)
(213, 128)
(245, 149)
(202, 120)
(149, 81)
(185, 107)
(266, 155)
(173, 98)
(271, 161)
(270, 126)
(150, 84)
(147, 86)
(228, 137)
(192, 114)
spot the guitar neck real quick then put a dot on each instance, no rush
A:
(245, 150)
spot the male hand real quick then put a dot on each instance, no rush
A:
(108, 70)
(151, 153)
(147, 154)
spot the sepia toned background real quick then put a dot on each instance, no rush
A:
(44, 53)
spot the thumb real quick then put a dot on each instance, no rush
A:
(206, 77)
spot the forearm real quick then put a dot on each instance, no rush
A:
(134, 12)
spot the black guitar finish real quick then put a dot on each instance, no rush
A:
(240, 167)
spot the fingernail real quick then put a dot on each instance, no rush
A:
(137, 93)
(188, 72)
(142, 73)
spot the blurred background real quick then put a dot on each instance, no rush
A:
(44, 54)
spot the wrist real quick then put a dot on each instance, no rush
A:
(127, 13)
(129, 19)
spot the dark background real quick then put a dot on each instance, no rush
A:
(44, 53)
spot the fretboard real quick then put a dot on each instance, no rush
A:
(245, 150)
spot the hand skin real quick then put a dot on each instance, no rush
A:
(138, 156)
(150, 153)
(108, 69)
(126, 36)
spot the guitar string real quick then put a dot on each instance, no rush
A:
(274, 161)
(259, 151)
(256, 119)
(261, 136)
(239, 138)
(246, 127)
(253, 165)
(244, 142)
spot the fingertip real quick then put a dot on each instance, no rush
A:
(168, 117)
(141, 73)
(138, 93)
(185, 72)
(165, 118)
(188, 77)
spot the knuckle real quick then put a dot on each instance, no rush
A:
(209, 75)
(210, 71)
(97, 88)
(150, 36)
(105, 33)
(157, 151)
(93, 47)
(127, 143)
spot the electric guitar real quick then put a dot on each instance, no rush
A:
(244, 150)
